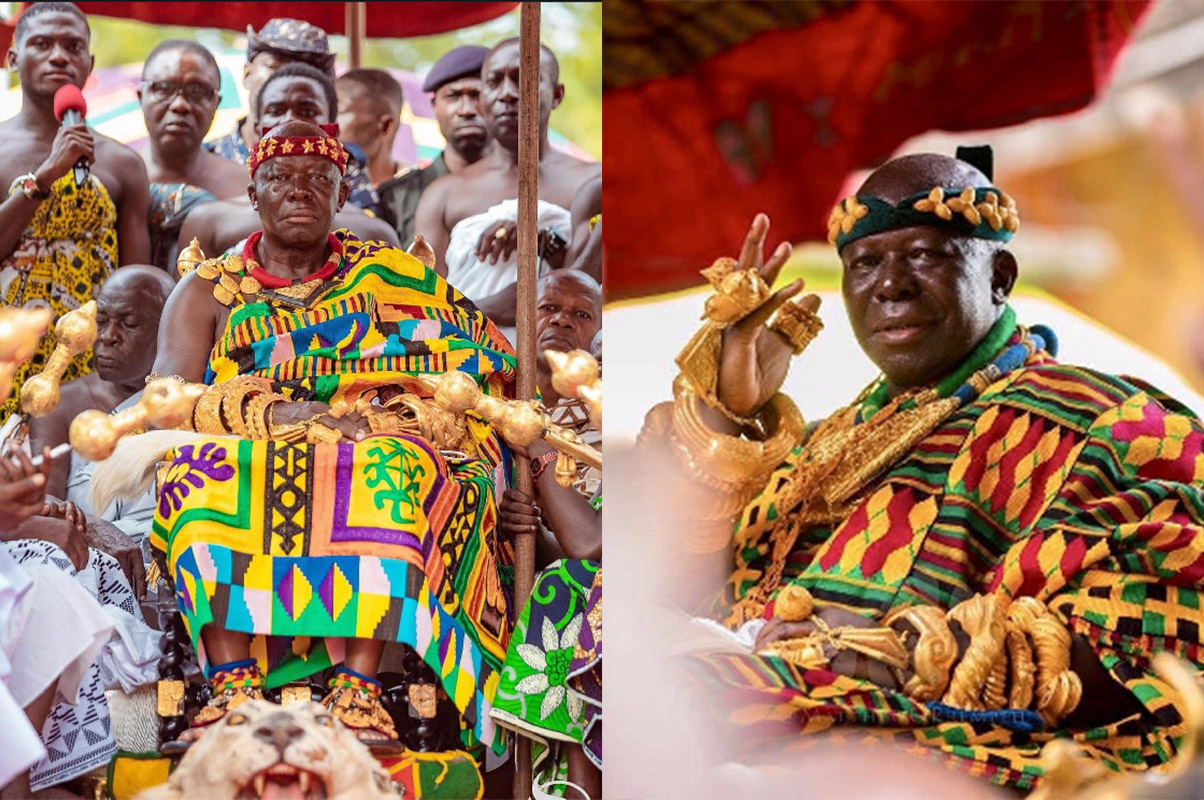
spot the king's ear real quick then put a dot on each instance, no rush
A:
(1003, 276)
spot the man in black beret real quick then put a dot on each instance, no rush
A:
(455, 86)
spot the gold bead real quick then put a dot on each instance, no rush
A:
(92, 435)
(457, 392)
(793, 604)
(76, 330)
(522, 424)
(571, 371)
(40, 395)
(422, 251)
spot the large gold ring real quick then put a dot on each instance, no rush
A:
(797, 323)
(501, 233)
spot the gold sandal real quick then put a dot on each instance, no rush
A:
(355, 701)
(232, 686)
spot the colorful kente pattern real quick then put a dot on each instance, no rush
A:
(290, 542)
(385, 538)
(1079, 488)
(384, 318)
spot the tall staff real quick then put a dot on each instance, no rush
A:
(528, 234)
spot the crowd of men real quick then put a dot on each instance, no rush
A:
(115, 238)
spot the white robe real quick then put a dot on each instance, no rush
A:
(478, 279)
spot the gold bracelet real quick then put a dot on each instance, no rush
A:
(155, 376)
(207, 415)
(984, 617)
(1023, 671)
(730, 463)
(234, 393)
(255, 417)
(934, 653)
(1059, 689)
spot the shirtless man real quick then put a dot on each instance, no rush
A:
(294, 92)
(60, 241)
(481, 187)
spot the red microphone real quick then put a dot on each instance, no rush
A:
(71, 109)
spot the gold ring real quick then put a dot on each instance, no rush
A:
(797, 323)
(502, 233)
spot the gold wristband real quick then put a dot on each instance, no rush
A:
(234, 393)
(934, 653)
(255, 416)
(207, 415)
(984, 617)
(729, 463)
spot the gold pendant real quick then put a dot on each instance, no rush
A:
(249, 285)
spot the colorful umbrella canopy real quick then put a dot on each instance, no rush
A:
(720, 110)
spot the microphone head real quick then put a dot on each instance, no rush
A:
(69, 98)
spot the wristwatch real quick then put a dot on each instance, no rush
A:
(538, 465)
(29, 186)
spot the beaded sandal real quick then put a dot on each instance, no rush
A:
(232, 684)
(355, 701)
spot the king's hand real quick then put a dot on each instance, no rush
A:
(753, 359)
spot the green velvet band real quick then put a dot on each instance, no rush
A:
(988, 219)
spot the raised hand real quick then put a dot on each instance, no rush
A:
(754, 360)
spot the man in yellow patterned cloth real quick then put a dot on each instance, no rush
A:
(347, 511)
(982, 552)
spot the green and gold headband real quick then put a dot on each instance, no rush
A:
(984, 213)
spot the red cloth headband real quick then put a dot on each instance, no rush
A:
(273, 146)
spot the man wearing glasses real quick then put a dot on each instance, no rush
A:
(58, 240)
(179, 97)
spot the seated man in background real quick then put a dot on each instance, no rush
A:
(568, 315)
(979, 554)
(370, 102)
(179, 96)
(301, 526)
(454, 85)
(127, 328)
(294, 92)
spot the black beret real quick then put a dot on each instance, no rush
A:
(455, 64)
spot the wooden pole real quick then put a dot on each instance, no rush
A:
(357, 31)
(528, 236)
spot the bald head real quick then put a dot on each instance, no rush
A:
(128, 309)
(147, 284)
(907, 175)
(572, 280)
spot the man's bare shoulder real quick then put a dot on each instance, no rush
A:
(113, 151)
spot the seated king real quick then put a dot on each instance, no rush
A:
(985, 551)
(325, 507)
